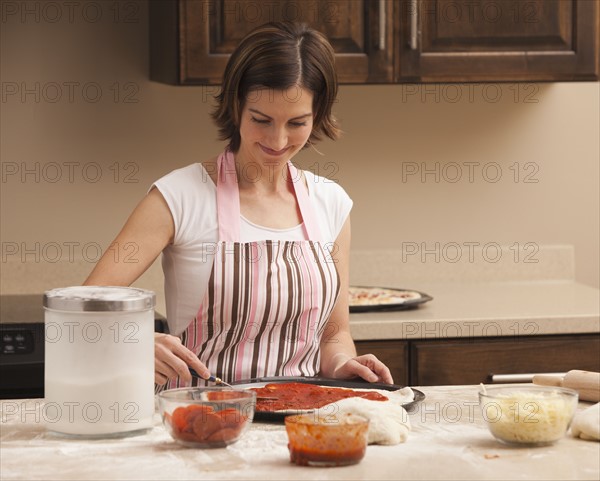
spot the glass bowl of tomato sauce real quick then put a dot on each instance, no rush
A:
(207, 417)
(326, 440)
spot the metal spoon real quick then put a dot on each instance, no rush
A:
(214, 379)
(218, 380)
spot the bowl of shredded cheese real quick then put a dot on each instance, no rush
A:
(528, 415)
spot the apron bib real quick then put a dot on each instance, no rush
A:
(267, 303)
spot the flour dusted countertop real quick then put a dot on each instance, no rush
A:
(487, 309)
(449, 440)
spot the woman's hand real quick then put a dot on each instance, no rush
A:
(172, 360)
(366, 366)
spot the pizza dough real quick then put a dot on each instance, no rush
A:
(586, 424)
(388, 420)
(400, 396)
(377, 296)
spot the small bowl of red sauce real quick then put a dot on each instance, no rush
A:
(207, 417)
(326, 440)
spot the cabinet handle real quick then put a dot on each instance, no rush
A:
(382, 20)
(414, 16)
(508, 378)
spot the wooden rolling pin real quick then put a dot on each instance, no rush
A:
(586, 383)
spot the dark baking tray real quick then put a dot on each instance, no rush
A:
(410, 304)
(323, 381)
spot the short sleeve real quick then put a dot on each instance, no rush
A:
(332, 203)
(191, 196)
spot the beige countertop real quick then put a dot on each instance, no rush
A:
(448, 441)
(487, 309)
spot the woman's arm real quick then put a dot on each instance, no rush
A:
(338, 353)
(149, 229)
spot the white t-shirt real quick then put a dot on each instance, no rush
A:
(192, 198)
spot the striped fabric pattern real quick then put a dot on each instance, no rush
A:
(252, 323)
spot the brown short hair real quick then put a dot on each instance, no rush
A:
(279, 55)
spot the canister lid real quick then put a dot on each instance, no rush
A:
(99, 298)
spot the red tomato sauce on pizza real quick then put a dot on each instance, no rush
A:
(296, 396)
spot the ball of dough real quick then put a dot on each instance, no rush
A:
(388, 421)
(586, 424)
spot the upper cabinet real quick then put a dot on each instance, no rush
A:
(390, 41)
(191, 39)
(499, 40)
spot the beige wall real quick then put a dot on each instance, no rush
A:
(545, 133)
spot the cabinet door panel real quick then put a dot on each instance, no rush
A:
(360, 31)
(446, 40)
(394, 354)
(473, 361)
(231, 20)
(499, 26)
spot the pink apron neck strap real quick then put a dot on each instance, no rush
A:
(228, 201)
(309, 217)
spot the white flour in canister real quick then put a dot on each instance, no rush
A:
(88, 407)
(99, 361)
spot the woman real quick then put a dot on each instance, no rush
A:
(255, 253)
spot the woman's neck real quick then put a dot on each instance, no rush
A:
(260, 176)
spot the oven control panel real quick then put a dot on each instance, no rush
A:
(16, 341)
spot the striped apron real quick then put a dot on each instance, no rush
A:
(268, 302)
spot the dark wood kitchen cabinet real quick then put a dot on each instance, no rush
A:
(499, 40)
(390, 41)
(431, 362)
(394, 354)
(190, 40)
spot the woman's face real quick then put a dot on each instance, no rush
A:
(275, 124)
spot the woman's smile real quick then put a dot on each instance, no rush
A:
(274, 153)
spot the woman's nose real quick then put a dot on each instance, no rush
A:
(278, 138)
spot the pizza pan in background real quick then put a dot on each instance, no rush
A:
(279, 416)
(372, 299)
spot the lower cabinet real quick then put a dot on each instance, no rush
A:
(394, 354)
(474, 360)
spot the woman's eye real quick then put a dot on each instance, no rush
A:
(264, 122)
